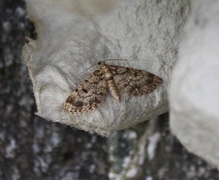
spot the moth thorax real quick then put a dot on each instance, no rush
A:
(108, 75)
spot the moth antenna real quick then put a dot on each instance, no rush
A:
(115, 59)
(99, 61)
(86, 69)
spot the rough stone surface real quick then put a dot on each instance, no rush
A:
(33, 148)
(149, 151)
(70, 44)
(194, 91)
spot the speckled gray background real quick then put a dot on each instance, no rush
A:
(33, 148)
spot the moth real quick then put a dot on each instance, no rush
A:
(92, 92)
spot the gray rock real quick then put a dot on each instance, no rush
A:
(70, 43)
(194, 90)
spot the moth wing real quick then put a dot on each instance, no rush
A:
(134, 81)
(88, 95)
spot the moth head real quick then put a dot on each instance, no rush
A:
(101, 63)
